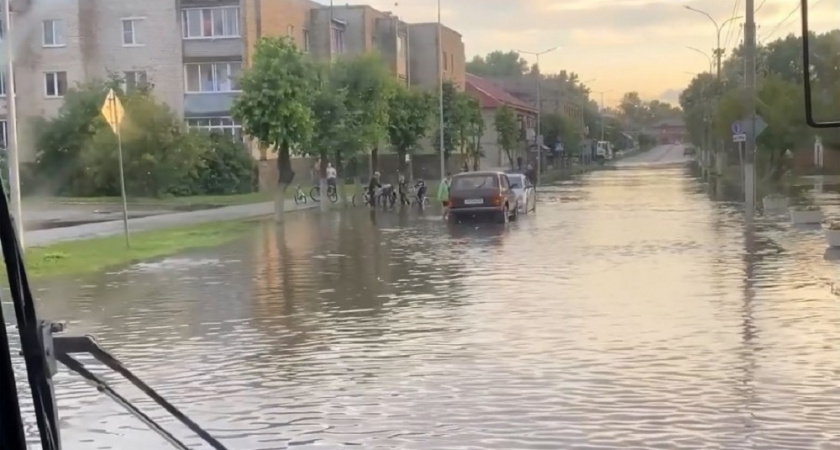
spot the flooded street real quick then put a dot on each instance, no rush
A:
(629, 312)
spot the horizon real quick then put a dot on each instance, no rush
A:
(660, 30)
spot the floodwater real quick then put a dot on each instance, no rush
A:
(630, 312)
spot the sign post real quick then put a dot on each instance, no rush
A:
(113, 112)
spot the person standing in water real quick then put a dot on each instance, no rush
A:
(443, 194)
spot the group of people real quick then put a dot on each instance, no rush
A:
(403, 192)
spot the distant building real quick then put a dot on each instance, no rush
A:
(491, 97)
(669, 131)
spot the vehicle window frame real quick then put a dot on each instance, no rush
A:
(504, 182)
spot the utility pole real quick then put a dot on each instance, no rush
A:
(539, 104)
(718, 52)
(749, 100)
(440, 92)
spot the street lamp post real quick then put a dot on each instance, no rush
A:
(539, 104)
(718, 51)
(601, 110)
(709, 57)
(440, 91)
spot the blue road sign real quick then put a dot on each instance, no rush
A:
(737, 127)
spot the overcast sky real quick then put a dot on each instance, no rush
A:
(624, 44)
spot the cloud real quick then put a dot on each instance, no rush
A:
(627, 45)
(671, 96)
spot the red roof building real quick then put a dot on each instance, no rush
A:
(491, 97)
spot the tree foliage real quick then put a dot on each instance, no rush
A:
(498, 64)
(507, 129)
(76, 151)
(410, 116)
(459, 117)
(274, 106)
(712, 106)
(368, 87)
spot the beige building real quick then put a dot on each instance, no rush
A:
(192, 50)
(425, 61)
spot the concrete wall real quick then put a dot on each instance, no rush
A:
(160, 27)
(424, 55)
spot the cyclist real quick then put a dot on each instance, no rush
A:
(332, 175)
(420, 187)
(372, 187)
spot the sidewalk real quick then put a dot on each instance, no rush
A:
(41, 238)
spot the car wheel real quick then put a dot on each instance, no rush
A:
(514, 215)
(503, 216)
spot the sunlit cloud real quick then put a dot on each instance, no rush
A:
(627, 45)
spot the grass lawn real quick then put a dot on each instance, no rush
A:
(95, 255)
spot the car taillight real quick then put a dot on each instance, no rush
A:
(497, 199)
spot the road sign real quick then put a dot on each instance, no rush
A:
(113, 111)
(739, 138)
(737, 128)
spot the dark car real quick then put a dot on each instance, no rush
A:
(482, 194)
(688, 151)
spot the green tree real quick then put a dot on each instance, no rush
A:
(409, 119)
(454, 121)
(275, 104)
(368, 87)
(498, 64)
(474, 131)
(330, 127)
(507, 130)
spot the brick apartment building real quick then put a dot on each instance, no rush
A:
(192, 50)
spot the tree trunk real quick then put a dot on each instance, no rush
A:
(401, 165)
(285, 178)
(374, 160)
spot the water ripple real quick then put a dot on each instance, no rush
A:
(629, 312)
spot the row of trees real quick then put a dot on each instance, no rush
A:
(632, 116)
(76, 151)
(711, 104)
(346, 111)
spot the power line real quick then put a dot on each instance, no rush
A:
(760, 5)
(731, 23)
(782, 22)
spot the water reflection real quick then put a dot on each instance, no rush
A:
(629, 312)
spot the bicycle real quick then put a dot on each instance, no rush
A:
(300, 196)
(332, 193)
(364, 198)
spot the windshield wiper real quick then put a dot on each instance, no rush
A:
(41, 351)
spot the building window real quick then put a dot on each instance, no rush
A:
(305, 40)
(134, 79)
(133, 32)
(4, 135)
(290, 31)
(213, 77)
(222, 125)
(205, 23)
(452, 61)
(55, 84)
(338, 44)
(2, 83)
(445, 61)
(54, 33)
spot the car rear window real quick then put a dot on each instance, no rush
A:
(470, 182)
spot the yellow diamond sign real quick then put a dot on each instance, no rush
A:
(113, 111)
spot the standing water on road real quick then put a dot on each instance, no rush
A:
(629, 312)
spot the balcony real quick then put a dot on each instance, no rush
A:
(210, 104)
(219, 48)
